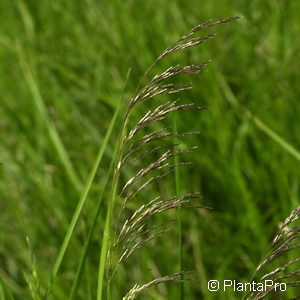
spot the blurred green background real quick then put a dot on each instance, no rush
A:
(63, 68)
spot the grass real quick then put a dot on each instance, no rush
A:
(63, 70)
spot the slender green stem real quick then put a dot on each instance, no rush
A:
(89, 237)
(179, 220)
(107, 227)
(105, 239)
(112, 198)
(88, 281)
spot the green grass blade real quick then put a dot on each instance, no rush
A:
(258, 123)
(53, 134)
(89, 237)
(284, 144)
(83, 198)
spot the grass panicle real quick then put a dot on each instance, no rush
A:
(138, 142)
(285, 243)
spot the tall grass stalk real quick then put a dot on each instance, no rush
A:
(106, 231)
(107, 226)
(179, 220)
(89, 236)
(135, 226)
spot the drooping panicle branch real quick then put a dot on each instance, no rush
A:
(138, 221)
(137, 289)
(284, 243)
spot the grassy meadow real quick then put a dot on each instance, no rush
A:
(67, 72)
